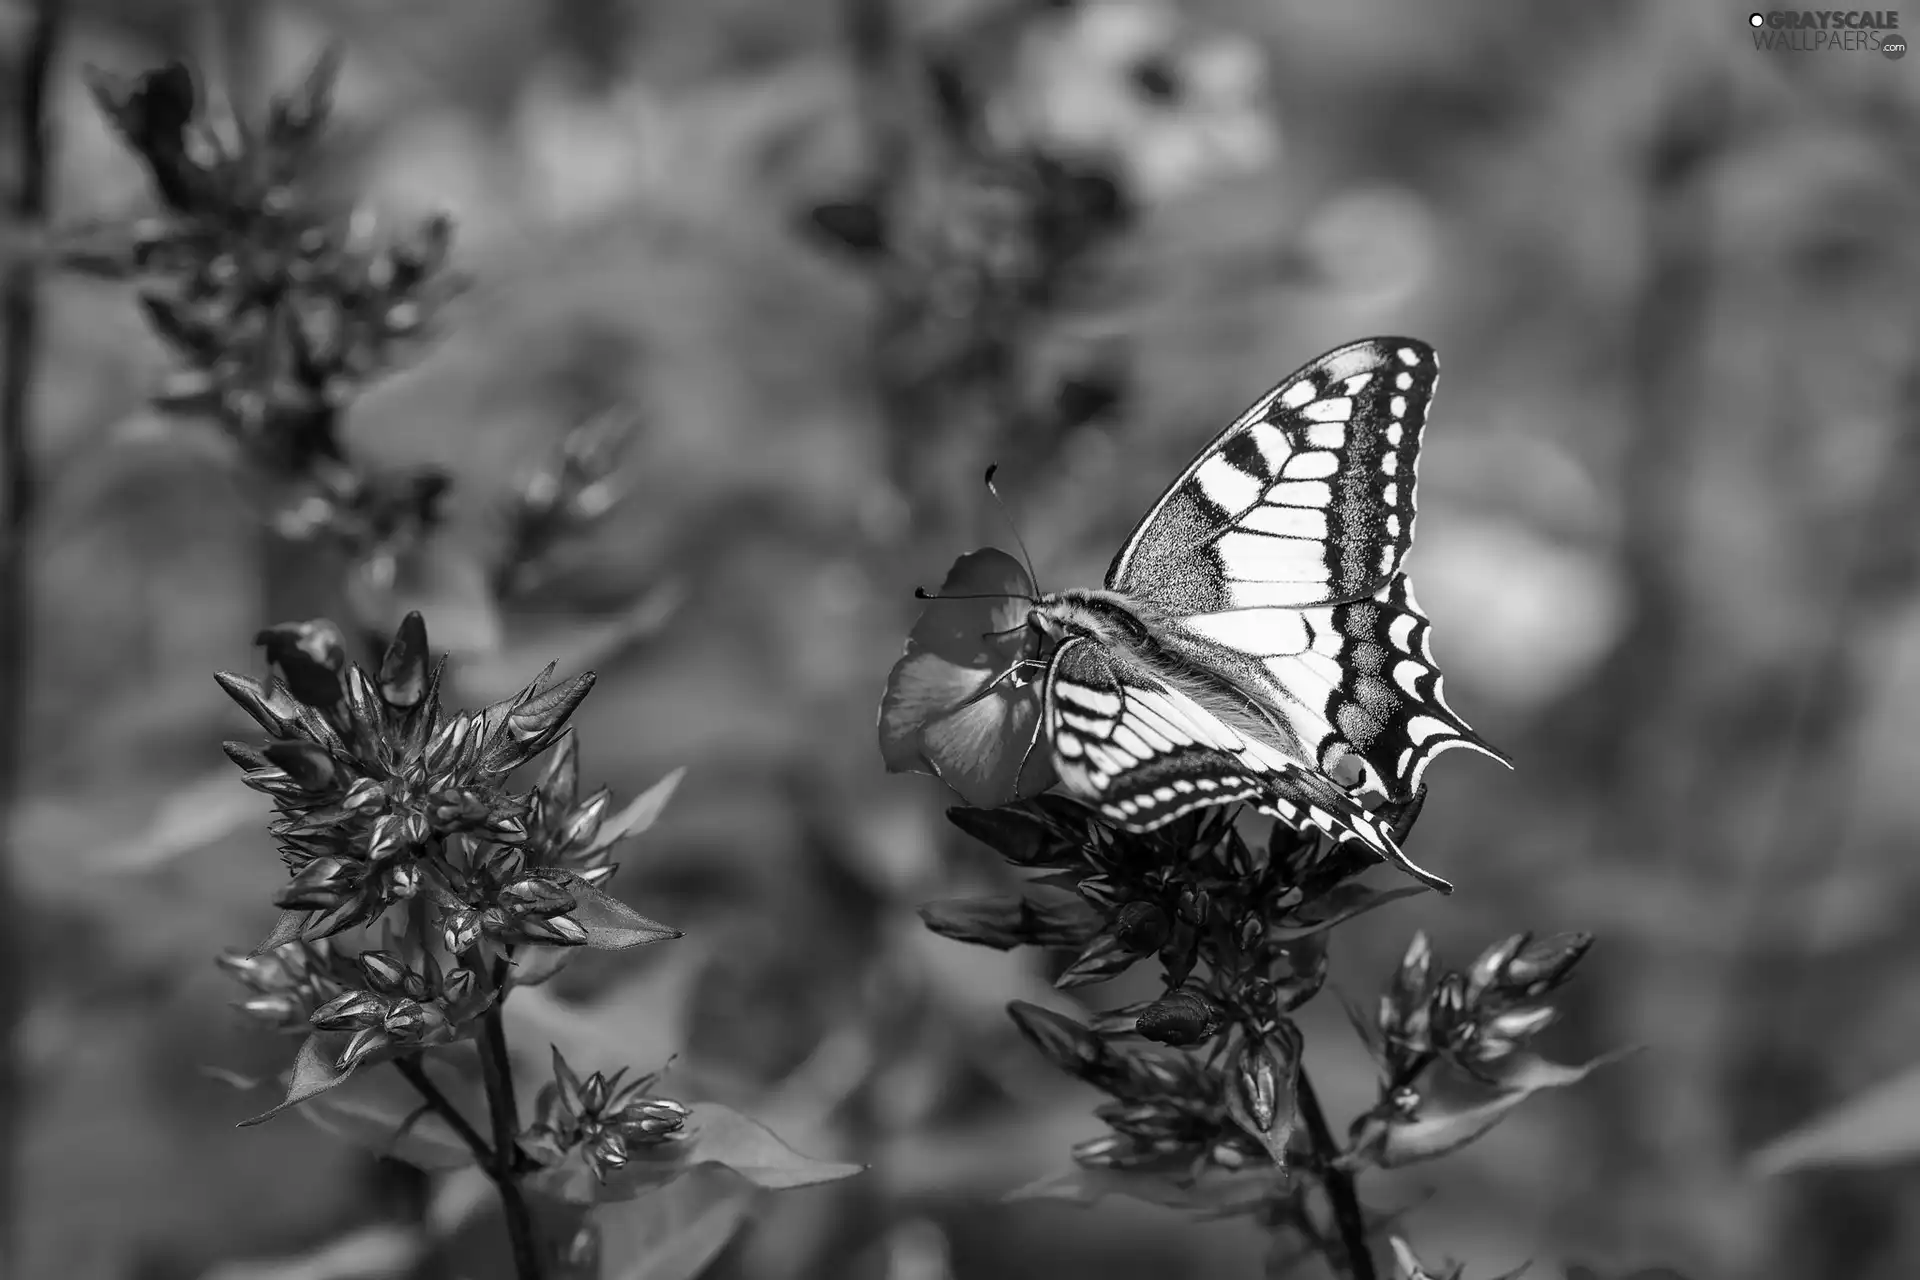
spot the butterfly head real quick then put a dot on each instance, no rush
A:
(1105, 616)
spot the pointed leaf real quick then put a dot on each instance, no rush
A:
(1443, 1126)
(1216, 1191)
(721, 1135)
(1878, 1127)
(611, 924)
(676, 1232)
(313, 1073)
(641, 813)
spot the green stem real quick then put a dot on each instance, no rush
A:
(496, 1070)
(1348, 1219)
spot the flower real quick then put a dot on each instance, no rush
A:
(1135, 85)
(963, 703)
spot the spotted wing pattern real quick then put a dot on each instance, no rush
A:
(1145, 753)
(1354, 682)
(1307, 499)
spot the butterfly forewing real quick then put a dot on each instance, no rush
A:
(1307, 499)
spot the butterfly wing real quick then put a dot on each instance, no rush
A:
(1275, 561)
(1145, 753)
(1307, 499)
(1353, 682)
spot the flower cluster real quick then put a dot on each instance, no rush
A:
(379, 794)
(605, 1118)
(1210, 1102)
(278, 306)
(1239, 929)
(1478, 1018)
(404, 1000)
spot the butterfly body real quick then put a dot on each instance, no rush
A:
(1256, 637)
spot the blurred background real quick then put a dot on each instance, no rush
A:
(1667, 541)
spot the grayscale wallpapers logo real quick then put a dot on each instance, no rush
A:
(1829, 31)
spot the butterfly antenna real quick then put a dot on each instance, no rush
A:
(921, 593)
(1018, 541)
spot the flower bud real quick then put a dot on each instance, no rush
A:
(1185, 1017)
(459, 930)
(363, 1046)
(536, 896)
(353, 1011)
(552, 931)
(607, 1153)
(1491, 967)
(384, 971)
(1140, 927)
(1543, 965)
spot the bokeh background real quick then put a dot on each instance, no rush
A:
(1666, 538)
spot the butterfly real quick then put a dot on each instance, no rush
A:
(1256, 637)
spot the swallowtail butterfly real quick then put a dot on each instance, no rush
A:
(1256, 637)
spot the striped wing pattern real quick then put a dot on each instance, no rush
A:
(1355, 682)
(1145, 753)
(1307, 499)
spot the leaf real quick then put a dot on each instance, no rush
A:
(1445, 1126)
(1216, 1191)
(380, 1111)
(288, 927)
(611, 924)
(313, 1073)
(723, 1136)
(676, 1232)
(1337, 907)
(640, 814)
(1878, 1127)
(367, 1254)
(650, 1002)
(193, 816)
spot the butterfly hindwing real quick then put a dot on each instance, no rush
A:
(1353, 682)
(1146, 753)
(1307, 499)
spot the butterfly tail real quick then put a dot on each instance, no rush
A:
(1305, 800)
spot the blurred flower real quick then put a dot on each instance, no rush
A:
(569, 493)
(1136, 85)
(277, 306)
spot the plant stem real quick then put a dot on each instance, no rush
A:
(18, 347)
(497, 1071)
(416, 1074)
(1347, 1218)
